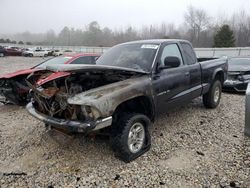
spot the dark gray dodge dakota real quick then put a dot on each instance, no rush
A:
(130, 85)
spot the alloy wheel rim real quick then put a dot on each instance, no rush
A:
(136, 137)
(216, 94)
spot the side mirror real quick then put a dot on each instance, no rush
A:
(172, 62)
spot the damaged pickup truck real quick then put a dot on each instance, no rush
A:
(238, 74)
(130, 85)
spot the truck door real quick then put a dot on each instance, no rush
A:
(170, 84)
(194, 69)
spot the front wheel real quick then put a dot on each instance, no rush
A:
(1, 54)
(130, 137)
(212, 98)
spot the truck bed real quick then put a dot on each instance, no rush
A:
(212, 65)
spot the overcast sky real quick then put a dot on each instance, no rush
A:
(41, 15)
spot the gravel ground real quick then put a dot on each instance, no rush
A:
(191, 147)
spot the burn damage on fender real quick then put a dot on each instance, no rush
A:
(88, 93)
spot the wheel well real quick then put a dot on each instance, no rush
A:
(220, 76)
(140, 104)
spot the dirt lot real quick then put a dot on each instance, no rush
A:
(191, 147)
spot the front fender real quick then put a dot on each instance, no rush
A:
(106, 98)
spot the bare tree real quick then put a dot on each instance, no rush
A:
(240, 23)
(197, 21)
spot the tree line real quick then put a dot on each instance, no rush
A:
(8, 41)
(198, 27)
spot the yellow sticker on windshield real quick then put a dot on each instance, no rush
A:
(150, 46)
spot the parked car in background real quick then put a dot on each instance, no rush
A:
(238, 74)
(63, 52)
(26, 52)
(57, 53)
(70, 52)
(13, 87)
(49, 52)
(128, 88)
(2, 51)
(35, 53)
(13, 51)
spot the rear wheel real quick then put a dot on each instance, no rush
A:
(130, 137)
(212, 98)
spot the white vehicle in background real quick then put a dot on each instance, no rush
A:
(57, 53)
(35, 53)
(63, 52)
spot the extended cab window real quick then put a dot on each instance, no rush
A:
(84, 60)
(170, 50)
(189, 55)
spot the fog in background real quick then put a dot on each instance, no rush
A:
(105, 23)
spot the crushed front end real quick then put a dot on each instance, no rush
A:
(54, 102)
(49, 103)
(237, 81)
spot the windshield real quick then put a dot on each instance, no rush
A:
(56, 60)
(239, 61)
(135, 56)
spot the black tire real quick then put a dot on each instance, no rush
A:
(212, 98)
(1, 54)
(120, 136)
(30, 55)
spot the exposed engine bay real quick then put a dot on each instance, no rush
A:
(51, 97)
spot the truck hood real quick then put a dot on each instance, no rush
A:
(18, 73)
(60, 71)
(86, 68)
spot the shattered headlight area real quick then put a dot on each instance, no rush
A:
(56, 105)
(90, 113)
(52, 101)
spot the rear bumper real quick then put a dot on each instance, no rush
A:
(70, 125)
(239, 86)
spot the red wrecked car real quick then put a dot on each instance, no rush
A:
(13, 86)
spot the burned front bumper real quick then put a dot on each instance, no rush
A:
(70, 125)
(235, 85)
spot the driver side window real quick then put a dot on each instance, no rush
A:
(171, 50)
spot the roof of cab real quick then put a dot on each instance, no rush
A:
(157, 41)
